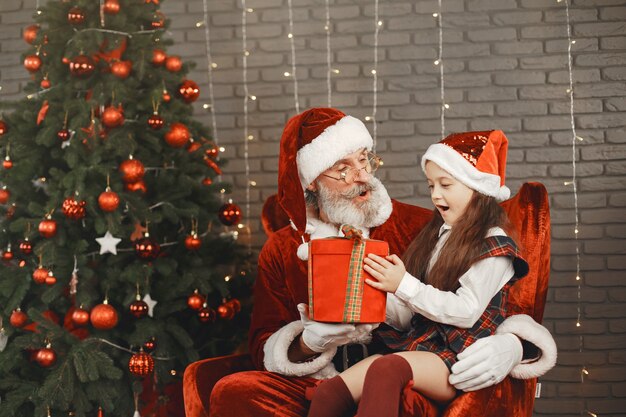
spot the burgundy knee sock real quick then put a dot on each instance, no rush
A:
(332, 398)
(383, 385)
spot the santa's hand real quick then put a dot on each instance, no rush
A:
(322, 336)
(486, 362)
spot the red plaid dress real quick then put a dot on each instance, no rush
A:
(446, 340)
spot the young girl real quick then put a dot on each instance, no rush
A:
(450, 290)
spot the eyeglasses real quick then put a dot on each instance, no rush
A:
(350, 174)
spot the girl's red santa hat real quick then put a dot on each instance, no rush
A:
(312, 142)
(477, 159)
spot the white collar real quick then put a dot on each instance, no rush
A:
(444, 228)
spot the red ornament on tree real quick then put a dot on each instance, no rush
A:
(226, 311)
(138, 308)
(51, 279)
(3, 127)
(212, 152)
(229, 214)
(75, 16)
(32, 63)
(141, 364)
(147, 248)
(132, 170)
(30, 33)
(192, 242)
(7, 255)
(207, 181)
(206, 314)
(108, 200)
(48, 227)
(4, 195)
(7, 163)
(45, 83)
(158, 57)
(103, 316)
(150, 345)
(121, 69)
(26, 247)
(173, 63)
(136, 186)
(166, 96)
(236, 305)
(73, 209)
(178, 135)
(213, 165)
(195, 301)
(46, 357)
(155, 121)
(158, 20)
(112, 116)
(82, 66)
(63, 135)
(80, 317)
(189, 91)
(40, 274)
(18, 318)
(111, 7)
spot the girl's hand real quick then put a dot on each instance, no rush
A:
(388, 271)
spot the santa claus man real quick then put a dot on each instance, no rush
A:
(325, 180)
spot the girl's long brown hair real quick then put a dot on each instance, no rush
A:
(463, 247)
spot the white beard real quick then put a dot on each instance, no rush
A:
(340, 207)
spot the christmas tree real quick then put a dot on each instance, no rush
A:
(120, 263)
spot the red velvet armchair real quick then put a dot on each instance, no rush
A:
(529, 212)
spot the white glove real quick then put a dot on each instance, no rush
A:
(322, 336)
(486, 362)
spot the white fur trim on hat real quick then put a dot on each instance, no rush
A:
(336, 141)
(461, 169)
(524, 327)
(276, 359)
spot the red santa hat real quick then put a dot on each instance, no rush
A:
(312, 142)
(477, 159)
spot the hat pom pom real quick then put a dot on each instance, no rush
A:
(504, 193)
(303, 251)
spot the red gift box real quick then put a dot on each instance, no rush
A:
(337, 289)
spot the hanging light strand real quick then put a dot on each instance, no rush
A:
(246, 98)
(439, 62)
(292, 43)
(377, 25)
(328, 54)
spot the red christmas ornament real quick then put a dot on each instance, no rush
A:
(212, 152)
(147, 248)
(75, 16)
(132, 170)
(26, 247)
(155, 121)
(51, 279)
(173, 63)
(32, 63)
(195, 301)
(207, 181)
(111, 7)
(7, 163)
(158, 57)
(46, 357)
(206, 314)
(45, 83)
(18, 318)
(3, 127)
(112, 116)
(4, 195)
(7, 255)
(138, 308)
(141, 364)
(121, 69)
(63, 135)
(213, 165)
(189, 91)
(166, 96)
(73, 209)
(108, 200)
(103, 316)
(177, 136)
(193, 146)
(80, 317)
(192, 242)
(40, 274)
(82, 66)
(136, 186)
(48, 228)
(158, 20)
(236, 305)
(226, 311)
(30, 33)
(229, 214)
(100, 412)
(150, 345)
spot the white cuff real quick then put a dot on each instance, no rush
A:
(524, 327)
(409, 286)
(276, 358)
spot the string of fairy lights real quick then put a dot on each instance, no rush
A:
(292, 45)
(328, 53)
(377, 24)
(439, 63)
(247, 97)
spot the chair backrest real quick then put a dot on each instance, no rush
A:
(529, 213)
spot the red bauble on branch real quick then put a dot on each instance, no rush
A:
(108, 200)
(51, 279)
(3, 127)
(206, 314)
(30, 33)
(4, 195)
(112, 117)
(155, 121)
(26, 247)
(158, 57)
(73, 209)
(141, 364)
(189, 91)
(136, 186)
(46, 357)
(18, 318)
(150, 345)
(75, 16)
(32, 63)
(7, 163)
(80, 317)
(7, 255)
(45, 83)
(229, 214)
(226, 311)
(178, 135)
(192, 242)
(40, 274)
(103, 316)
(138, 308)
(121, 69)
(158, 20)
(111, 7)
(132, 170)
(82, 66)
(147, 248)
(48, 228)
(173, 63)
(195, 301)
(63, 135)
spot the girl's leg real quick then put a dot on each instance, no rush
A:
(335, 397)
(430, 375)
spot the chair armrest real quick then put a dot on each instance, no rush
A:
(200, 377)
